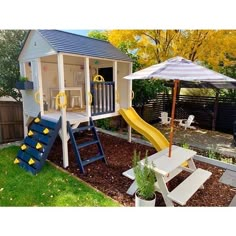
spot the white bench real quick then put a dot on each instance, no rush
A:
(184, 191)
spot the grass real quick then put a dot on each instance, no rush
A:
(50, 187)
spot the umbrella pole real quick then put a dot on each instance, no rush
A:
(173, 115)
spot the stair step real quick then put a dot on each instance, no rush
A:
(183, 192)
(28, 167)
(33, 152)
(26, 157)
(33, 143)
(41, 138)
(38, 128)
(47, 124)
(87, 143)
(92, 159)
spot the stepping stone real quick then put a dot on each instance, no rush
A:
(229, 177)
(233, 202)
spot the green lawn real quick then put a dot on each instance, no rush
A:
(50, 187)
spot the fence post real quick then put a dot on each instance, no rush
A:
(215, 110)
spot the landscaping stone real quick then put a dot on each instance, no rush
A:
(229, 177)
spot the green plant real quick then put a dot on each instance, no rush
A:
(104, 123)
(144, 176)
(185, 145)
(212, 154)
(23, 78)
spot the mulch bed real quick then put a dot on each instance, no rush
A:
(108, 177)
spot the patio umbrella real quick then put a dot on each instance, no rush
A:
(179, 68)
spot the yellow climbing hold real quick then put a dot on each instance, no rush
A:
(16, 161)
(31, 161)
(30, 133)
(39, 145)
(46, 131)
(36, 120)
(23, 147)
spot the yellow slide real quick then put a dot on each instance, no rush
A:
(157, 139)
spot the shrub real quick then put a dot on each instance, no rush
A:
(144, 176)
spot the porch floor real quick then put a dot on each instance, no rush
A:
(72, 117)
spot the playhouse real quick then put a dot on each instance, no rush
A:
(74, 79)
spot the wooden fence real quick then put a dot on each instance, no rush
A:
(11, 121)
(203, 108)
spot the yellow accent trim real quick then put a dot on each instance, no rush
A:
(23, 147)
(37, 97)
(98, 78)
(16, 161)
(117, 97)
(90, 98)
(58, 100)
(171, 129)
(39, 145)
(185, 164)
(36, 120)
(132, 95)
(31, 161)
(46, 131)
(30, 133)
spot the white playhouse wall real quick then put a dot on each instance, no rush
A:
(30, 66)
(35, 47)
(124, 87)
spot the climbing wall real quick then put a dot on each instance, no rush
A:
(37, 145)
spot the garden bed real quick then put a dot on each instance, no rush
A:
(109, 179)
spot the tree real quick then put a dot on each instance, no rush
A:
(98, 34)
(10, 46)
(155, 46)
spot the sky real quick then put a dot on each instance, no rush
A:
(80, 32)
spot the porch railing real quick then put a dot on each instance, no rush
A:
(103, 94)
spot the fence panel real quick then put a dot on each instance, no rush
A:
(201, 107)
(11, 121)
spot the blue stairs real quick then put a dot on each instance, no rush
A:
(37, 145)
(76, 147)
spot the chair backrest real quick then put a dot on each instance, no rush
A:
(164, 117)
(189, 120)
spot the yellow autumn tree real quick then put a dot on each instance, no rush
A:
(151, 46)
(212, 47)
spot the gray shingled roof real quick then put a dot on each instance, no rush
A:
(76, 44)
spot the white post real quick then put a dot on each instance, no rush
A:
(25, 117)
(130, 100)
(115, 81)
(40, 84)
(87, 86)
(64, 139)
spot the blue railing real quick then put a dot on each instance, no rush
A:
(103, 94)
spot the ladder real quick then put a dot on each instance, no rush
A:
(37, 144)
(76, 147)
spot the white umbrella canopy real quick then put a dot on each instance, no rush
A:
(181, 69)
(178, 68)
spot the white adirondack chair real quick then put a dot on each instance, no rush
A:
(187, 123)
(165, 120)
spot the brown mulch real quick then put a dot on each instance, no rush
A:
(109, 179)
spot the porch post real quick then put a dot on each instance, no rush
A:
(25, 117)
(115, 84)
(87, 86)
(130, 100)
(40, 84)
(64, 139)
